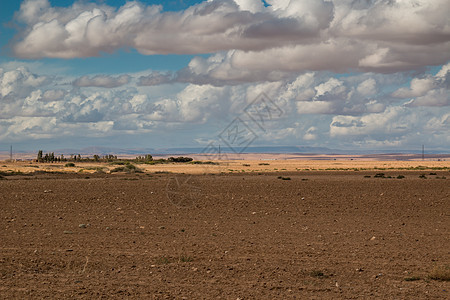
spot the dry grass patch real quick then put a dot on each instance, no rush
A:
(441, 273)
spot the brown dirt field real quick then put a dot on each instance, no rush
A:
(319, 235)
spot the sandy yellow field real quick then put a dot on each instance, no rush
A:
(230, 166)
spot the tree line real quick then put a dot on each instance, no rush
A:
(51, 157)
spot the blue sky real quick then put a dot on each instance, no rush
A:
(363, 75)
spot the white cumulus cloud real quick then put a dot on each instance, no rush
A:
(429, 90)
(284, 36)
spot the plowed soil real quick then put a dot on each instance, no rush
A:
(297, 235)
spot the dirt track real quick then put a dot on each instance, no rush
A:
(319, 235)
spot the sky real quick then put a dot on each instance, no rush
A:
(341, 74)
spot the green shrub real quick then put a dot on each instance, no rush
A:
(69, 165)
(184, 258)
(317, 273)
(163, 172)
(412, 278)
(179, 159)
(198, 162)
(128, 168)
(163, 260)
(119, 163)
(12, 173)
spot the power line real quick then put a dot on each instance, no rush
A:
(423, 152)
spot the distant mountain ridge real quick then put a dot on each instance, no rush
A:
(254, 149)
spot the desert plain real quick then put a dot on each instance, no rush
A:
(239, 229)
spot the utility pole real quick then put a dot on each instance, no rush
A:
(423, 152)
(10, 154)
(219, 152)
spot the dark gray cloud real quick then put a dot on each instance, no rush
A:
(156, 78)
(104, 81)
(83, 117)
